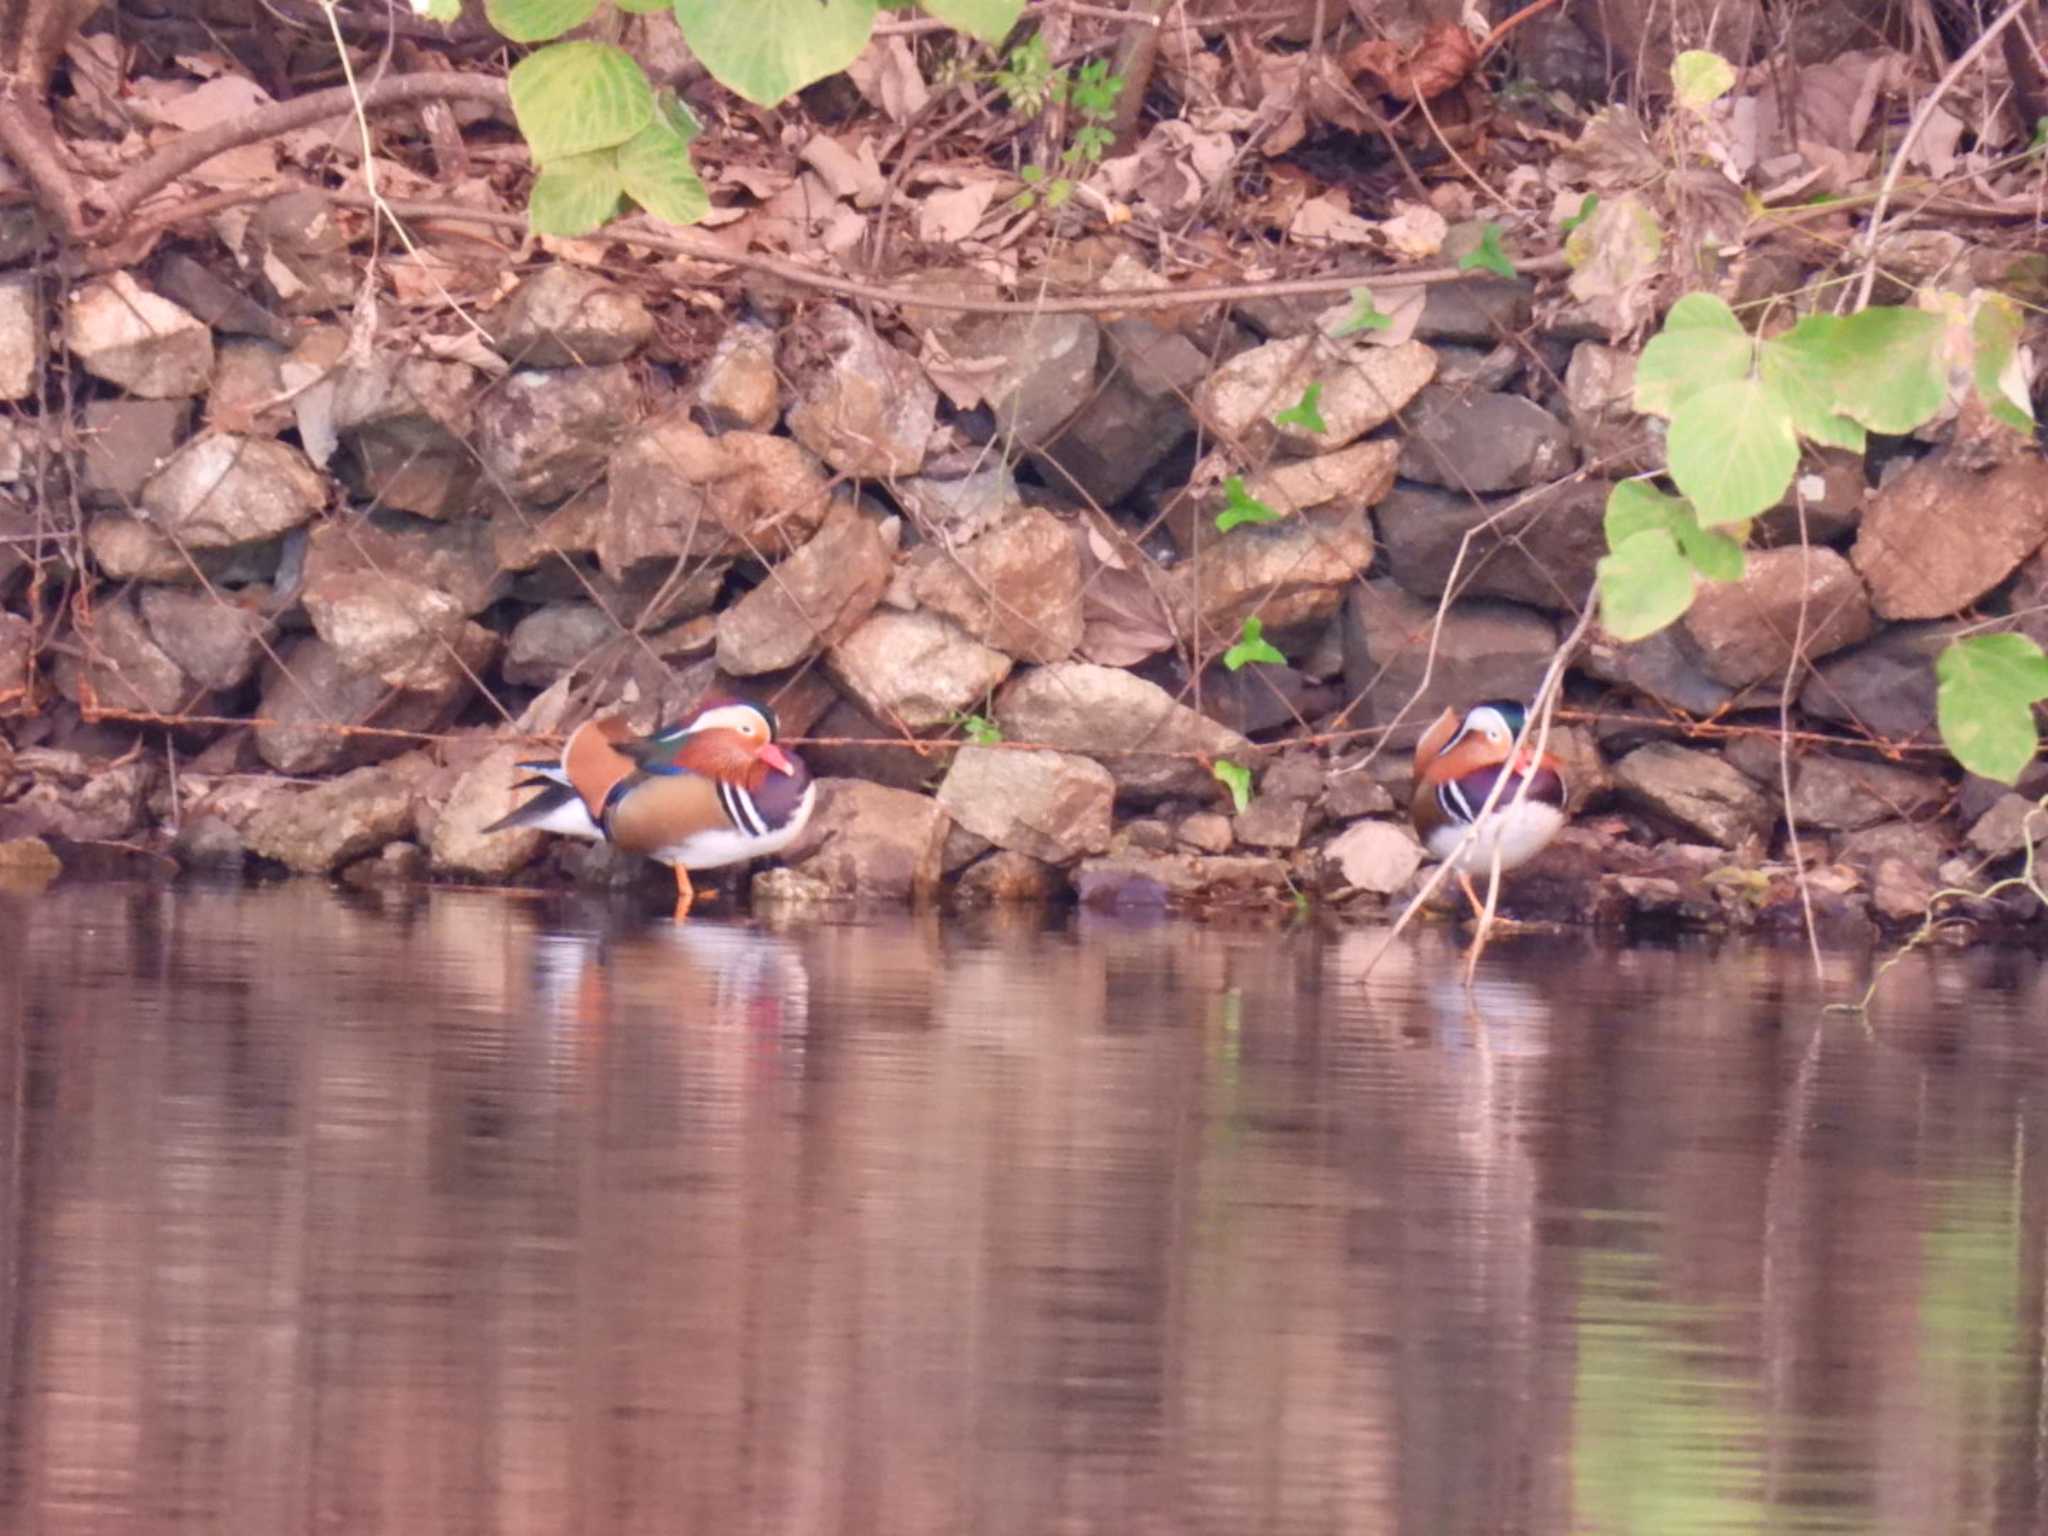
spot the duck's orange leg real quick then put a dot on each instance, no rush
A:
(685, 895)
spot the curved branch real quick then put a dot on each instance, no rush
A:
(119, 197)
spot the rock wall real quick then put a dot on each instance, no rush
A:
(273, 593)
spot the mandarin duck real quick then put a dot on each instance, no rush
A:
(712, 790)
(1457, 763)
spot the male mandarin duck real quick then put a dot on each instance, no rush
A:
(1456, 765)
(712, 790)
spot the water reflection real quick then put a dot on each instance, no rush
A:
(463, 1211)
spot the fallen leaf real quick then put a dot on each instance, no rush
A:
(1328, 220)
(853, 175)
(1416, 231)
(887, 76)
(949, 216)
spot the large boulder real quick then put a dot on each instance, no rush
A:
(815, 598)
(1015, 586)
(1937, 537)
(1054, 806)
(1154, 745)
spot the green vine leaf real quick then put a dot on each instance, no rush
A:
(768, 50)
(987, 21)
(1487, 254)
(1253, 646)
(1645, 583)
(574, 98)
(1699, 79)
(1240, 506)
(1365, 316)
(1588, 206)
(1702, 343)
(1732, 450)
(2001, 381)
(575, 196)
(1305, 412)
(656, 170)
(537, 21)
(1805, 365)
(1236, 778)
(1984, 704)
(1888, 368)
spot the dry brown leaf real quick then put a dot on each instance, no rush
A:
(887, 76)
(759, 181)
(852, 174)
(951, 215)
(1441, 61)
(170, 105)
(1416, 231)
(1328, 220)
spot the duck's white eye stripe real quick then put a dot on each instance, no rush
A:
(731, 717)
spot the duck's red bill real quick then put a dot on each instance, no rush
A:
(776, 758)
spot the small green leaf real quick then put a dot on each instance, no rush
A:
(1701, 343)
(987, 21)
(1588, 206)
(1634, 505)
(1487, 254)
(443, 11)
(1236, 778)
(1888, 369)
(1701, 79)
(1240, 506)
(575, 196)
(1995, 361)
(1645, 584)
(979, 729)
(1988, 687)
(768, 50)
(1732, 450)
(644, 7)
(1253, 646)
(1804, 364)
(656, 171)
(1365, 316)
(1304, 413)
(573, 98)
(536, 21)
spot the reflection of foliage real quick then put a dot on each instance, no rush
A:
(1657, 1442)
(1969, 1319)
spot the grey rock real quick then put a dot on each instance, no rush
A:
(1015, 586)
(125, 443)
(216, 643)
(1599, 397)
(956, 509)
(1136, 416)
(568, 317)
(130, 549)
(316, 831)
(1541, 549)
(403, 421)
(1842, 794)
(917, 668)
(814, 599)
(1697, 790)
(457, 843)
(739, 389)
(1007, 878)
(1349, 795)
(2009, 826)
(1376, 856)
(1830, 488)
(226, 489)
(1899, 891)
(1663, 667)
(679, 493)
(393, 600)
(1206, 832)
(862, 406)
(1273, 821)
(297, 243)
(1288, 573)
(1886, 687)
(1053, 806)
(863, 749)
(553, 640)
(121, 667)
(121, 332)
(1154, 745)
(1483, 443)
(1743, 631)
(1363, 387)
(17, 664)
(1918, 844)
(1476, 310)
(21, 337)
(1041, 368)
(1484, 650)
(310, 698)
(867, 842)
(214, 300)
(1907, 547)
(544, 435)
(80, 799)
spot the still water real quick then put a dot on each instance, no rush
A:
(479, 1212)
